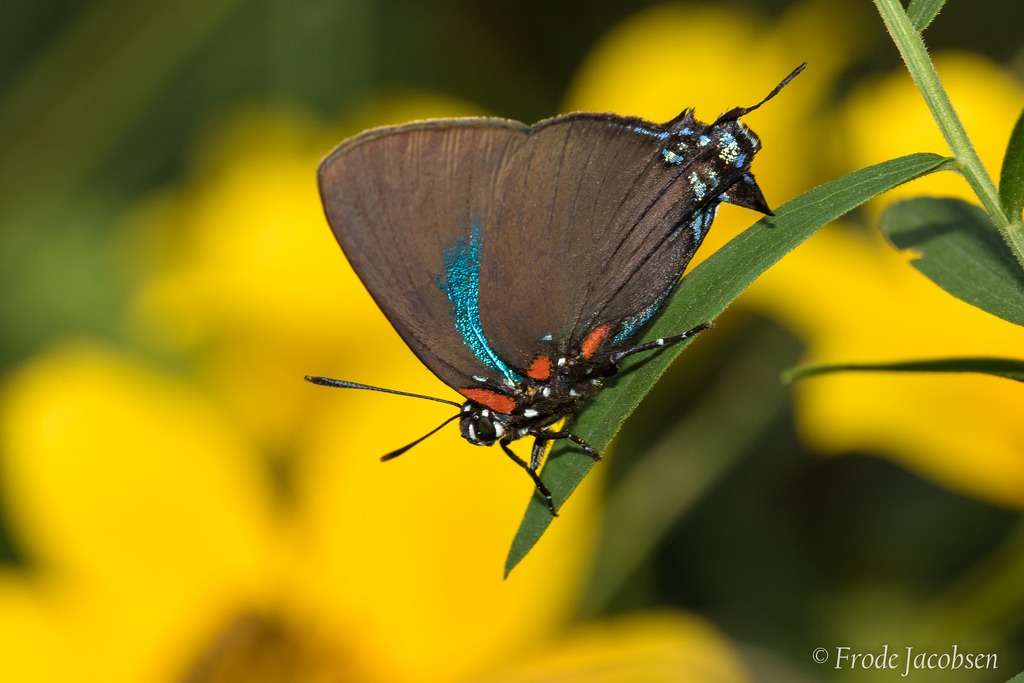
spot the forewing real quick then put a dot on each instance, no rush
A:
(398, 200)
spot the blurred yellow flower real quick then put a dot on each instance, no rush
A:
(851, 296)
(231, 522)
(651, 647)
(857, 300)
(886, 117)
(143, 511)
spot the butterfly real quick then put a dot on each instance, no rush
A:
(520, 263)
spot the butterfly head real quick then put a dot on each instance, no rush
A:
(480, 425)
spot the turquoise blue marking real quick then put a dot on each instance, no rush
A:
(643, 131)
(703, 140)
(671, 157)
(702, 220)
(460, 282)
(729, 149)
(659, 136)
(698, 187)
(630, 327)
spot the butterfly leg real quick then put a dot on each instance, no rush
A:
(548, 436)
(539, 444)
(533, 475)
(658, 343)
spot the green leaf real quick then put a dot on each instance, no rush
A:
(1010, 368)
(1011, 178)
(960, 251)
(922, 12)
(701, 296)
(1019, 678)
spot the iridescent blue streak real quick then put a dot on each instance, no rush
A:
(629, 327)
(460, 282)
(660, 136)
(643, 131)
(702, 220)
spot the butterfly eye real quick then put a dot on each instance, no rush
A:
(485, 430)
(481, 428)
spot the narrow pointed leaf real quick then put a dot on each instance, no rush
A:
(701, 296)
(922, 12)
(1011, 178)
(960, 251)
(1010, 368)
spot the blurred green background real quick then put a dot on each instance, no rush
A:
(106, 103)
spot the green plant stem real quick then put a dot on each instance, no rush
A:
(915, 56)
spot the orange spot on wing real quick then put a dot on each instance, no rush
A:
(594, 340)
(499, 403)
(540, 368)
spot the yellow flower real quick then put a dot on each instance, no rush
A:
(887, 117)
(851, 296)
(857, 300)
(654, 647)
(143, 514)
(229, 521)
